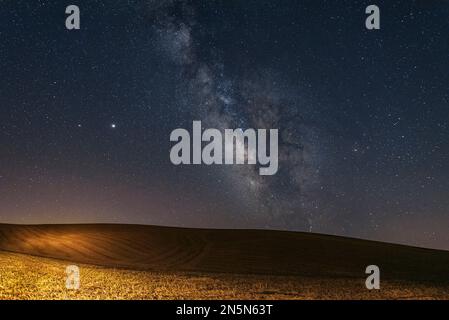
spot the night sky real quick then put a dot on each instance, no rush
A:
(363, 115)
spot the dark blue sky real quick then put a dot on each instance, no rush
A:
(362, 115)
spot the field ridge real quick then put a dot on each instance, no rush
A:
(173, 249)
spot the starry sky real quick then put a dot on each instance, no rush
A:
(363, 116)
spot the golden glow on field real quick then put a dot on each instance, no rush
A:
(29, 277)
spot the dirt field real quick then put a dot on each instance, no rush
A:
(148, 262)
(28, 277)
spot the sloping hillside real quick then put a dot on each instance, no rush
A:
(229, 251)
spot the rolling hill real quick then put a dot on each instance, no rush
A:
(172, 249)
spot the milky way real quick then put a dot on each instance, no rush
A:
(249, 102)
